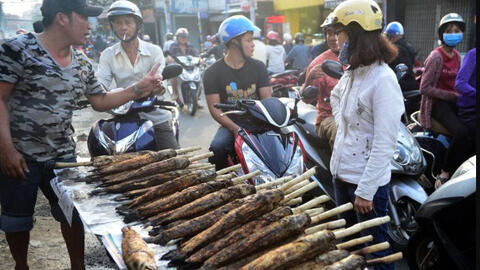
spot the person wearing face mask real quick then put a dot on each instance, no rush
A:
(236, 76)
(367, 104)
(439, 95)
(325, 123)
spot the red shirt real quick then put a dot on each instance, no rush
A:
(449, 71)
(316, 77)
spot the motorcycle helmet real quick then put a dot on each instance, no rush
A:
(182, 32)
(366, 13)
(450, 18)
(123, 7)
(169, 35)
(21, 31)
(272, 35)
(394, 29)
(287, 37)
(299, 37)
(235, 26)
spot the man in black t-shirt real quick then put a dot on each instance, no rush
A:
(236, 76)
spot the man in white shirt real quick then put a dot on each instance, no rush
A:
(132, 58)
(260, 51)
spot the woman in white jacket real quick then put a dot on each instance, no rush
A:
(367, 105)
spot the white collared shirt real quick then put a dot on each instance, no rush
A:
(114, 65)
(367, 104)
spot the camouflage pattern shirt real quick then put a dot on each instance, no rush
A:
(44, 96)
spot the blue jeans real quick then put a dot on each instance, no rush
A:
(222, 146)
(18, 198)
(344, 193)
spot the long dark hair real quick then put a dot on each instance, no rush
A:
(366, 47)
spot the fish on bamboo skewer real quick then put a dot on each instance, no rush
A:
(354, 262)
(135, 252)
(169, 188)
(250, 228)
(142, 160)
(184, 196)
(254, 206)
(285, 228)
(104, 160)
(171, 164)
(307, 247)
(205, 204)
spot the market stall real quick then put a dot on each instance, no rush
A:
(194, 217)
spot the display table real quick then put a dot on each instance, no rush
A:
(98, 213)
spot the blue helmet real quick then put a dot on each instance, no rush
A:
(235, 26)
(394, 29)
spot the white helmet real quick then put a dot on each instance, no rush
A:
(124, 7)
(287, 37)
(182, 32)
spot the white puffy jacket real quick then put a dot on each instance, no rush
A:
(367, 104)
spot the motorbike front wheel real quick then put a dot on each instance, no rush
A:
(423, 253)
(399, 235)
(192, 105)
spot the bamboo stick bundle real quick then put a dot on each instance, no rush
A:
(251, 227)
(306, 247)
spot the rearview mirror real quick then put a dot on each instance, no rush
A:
(332, 68)
(171, 71)
(310, 92)
(401, 70)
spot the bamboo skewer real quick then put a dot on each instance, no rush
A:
(312, 203)
(314, 211)
(229, 169)
(387, 259)
(300, 192)
(361, 226)
(355, 242)
(295, 201)
(372, 249)
(275, 182)
(241, 179)
(298, 179)
(333, 212)
(326, 226)
(297, 186)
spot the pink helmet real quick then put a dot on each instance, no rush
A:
(21, 31)
(272, 35)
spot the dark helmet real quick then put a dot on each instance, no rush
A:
(450, 18)
(299, 37)
(169, 35)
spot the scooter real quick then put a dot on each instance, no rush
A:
(446, 235)
(126, 132)
(261, 143)
(283, 82)
(407, 164)
(190, 81)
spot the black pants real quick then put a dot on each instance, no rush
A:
(164, 136)
(462, 145)
(222, 146)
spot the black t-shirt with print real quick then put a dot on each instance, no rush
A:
(234, 84)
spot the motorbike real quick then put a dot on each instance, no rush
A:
(126, 132)
(411, 98)
(446, 235)
(283, 82)
(407, 164)
(189, 81)
(261, 143)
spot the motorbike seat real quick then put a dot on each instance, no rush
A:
(436, 126)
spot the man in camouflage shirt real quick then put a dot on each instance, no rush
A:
(41, 80)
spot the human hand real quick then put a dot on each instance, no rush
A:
(149, 83)
(13, 164)
(362, 206)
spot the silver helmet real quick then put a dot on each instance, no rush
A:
(124, 7)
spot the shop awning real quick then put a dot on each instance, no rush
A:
(289, 4)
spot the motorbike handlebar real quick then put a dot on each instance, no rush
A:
(165, 103)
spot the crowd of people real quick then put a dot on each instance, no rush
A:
(42, 78)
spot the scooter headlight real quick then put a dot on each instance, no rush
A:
(122, 109)
(407, 157)
(296, 166)
(122, 146)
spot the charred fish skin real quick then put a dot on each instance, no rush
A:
(183, 197)
(273, 233)
(303, 249)
(239, 234)
(198, 224)
(175, 185)
(207, 203)
(258, 205)
(135, 252)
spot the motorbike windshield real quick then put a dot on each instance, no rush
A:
(275, 150)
